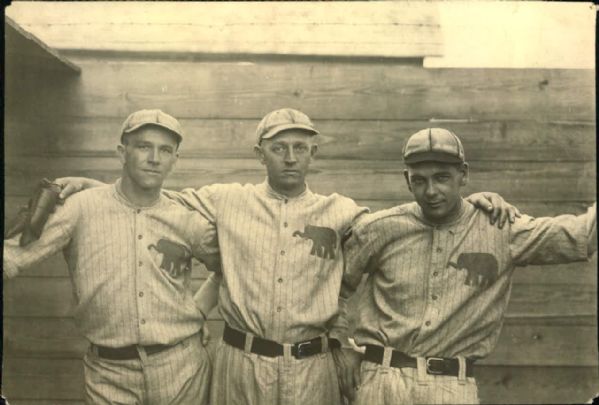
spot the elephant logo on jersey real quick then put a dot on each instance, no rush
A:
(324, 240)
(481, 268)
(176, 258)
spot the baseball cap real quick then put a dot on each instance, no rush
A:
(433, 145)
(152, 117)
(280, 120)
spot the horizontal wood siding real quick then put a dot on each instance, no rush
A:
(529, 135)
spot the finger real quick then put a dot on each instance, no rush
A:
(205, 335)
(503, 217)
(66, 191)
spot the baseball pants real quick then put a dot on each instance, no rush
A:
(391, 386)
(243, 378)
(179, 375)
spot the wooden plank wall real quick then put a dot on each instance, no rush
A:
(528, 134)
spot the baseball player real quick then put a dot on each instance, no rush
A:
(282, 265)
(129, 250)
(439, 279)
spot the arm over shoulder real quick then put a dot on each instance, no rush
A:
(553, 240)
(56, 234)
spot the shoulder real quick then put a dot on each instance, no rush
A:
(90, 195)
(336, 199)
(218, 189)
(381, 218)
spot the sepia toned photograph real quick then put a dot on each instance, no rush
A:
(291, 203)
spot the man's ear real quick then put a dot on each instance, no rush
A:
(120, 151)
(259, 153)
(313, 150)
(407, 177)
(176, 160)
(465, 170)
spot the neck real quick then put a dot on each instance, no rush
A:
(288, 192)
(137, 195)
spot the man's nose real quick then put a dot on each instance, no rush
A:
(290, 156)
(430, 190)
(154, 156)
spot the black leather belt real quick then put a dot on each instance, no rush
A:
(127, 352)
(269, 348)
(434, 365)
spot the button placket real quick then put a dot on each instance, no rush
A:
(139, 269)
(280, 263)
(432, 309)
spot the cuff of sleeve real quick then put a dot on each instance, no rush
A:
(341, 336)
(10, 269)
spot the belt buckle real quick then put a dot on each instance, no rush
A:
(430, 368)
(299, 346)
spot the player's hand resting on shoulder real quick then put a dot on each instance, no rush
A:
(499, 210)
(72, 185)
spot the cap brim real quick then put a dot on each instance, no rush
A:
(156, 124)
(274, 131)
(432, 157)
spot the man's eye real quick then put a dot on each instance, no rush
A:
(442, 179)
(417, 181)
(301, 148)
(277, 149)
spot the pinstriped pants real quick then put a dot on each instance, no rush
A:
(242, 378)
(391, 386)
(177, 376)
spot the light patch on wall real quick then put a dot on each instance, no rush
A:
(516, 35)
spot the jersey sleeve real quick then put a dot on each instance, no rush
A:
(204, 242)
(554, 240)
(55, 236)
(201, 200)
(358, 252)
(206, 298)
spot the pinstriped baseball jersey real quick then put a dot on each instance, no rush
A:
(281, 258)
(443, 290)
(129, 265)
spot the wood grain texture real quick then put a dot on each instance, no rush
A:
(339, 139)
(536, 385)
(27, 51)
(332, 90)
(324, 28)
(369, 179)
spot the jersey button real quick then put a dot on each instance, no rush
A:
(143, 321)
(282, 253)
(280, 280)
(139, 236)
(427, 323)
(286, 200)
(285, 224)
(138, 211)
(434, 297)
(140, 264)
(439, 250)
(435, 274)
(141, 293)
(279, 309)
